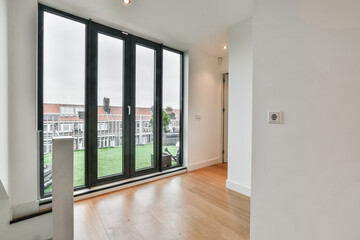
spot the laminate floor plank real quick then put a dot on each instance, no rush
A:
(87, 225)
(193, 205)
(114, 220)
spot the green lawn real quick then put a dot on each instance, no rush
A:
(110, 161)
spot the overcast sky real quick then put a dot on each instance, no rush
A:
(64, 67)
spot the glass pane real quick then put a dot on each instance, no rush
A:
(145, 80)
(64, 87)
(110, 91)
(171, 108)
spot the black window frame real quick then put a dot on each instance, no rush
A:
(41, 10)
(130, 42)
(182, 64)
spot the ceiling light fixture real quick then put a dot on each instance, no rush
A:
(126, 2)
(225, 47)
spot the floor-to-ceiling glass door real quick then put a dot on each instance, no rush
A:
(106, 89)
(109, 106)
(108, 102)
(124, 76)
(146, 69)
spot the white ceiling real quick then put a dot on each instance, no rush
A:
(176, 23)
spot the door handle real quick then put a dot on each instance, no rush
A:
(129, 110)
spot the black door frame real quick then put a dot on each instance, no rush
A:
(91, 148)
(157, 105)
(129, 86)
(129, 96)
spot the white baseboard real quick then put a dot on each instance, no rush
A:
(245, 190)
(203, 164)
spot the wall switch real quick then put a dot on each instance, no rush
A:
(275, 117)
(197, 117)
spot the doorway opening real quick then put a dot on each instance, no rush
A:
(225, 98)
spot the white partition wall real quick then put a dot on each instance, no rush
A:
(63, 188)
(306, 171)
(240, 108)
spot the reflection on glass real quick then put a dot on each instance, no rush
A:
(64, 84)
(171, 108)
(145, 80)
(110, 82)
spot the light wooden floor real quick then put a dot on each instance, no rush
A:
(194, 205)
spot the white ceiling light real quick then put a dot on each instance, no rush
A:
(126, 2)
(225, 47)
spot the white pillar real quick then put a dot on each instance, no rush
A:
(63, 188)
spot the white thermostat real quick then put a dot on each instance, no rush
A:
(275, 117)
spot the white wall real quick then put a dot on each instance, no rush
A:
(240, 108)
(22, 101)
(306, 172)
(38, 228)
(4, 158)
(204, 99)
(18, 95)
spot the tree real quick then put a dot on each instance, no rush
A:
(165, 121)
